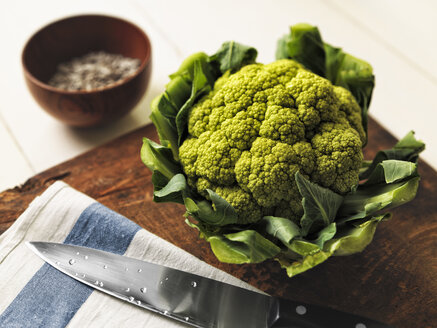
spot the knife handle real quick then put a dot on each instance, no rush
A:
(290, 314)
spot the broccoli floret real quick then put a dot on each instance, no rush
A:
(259, 126)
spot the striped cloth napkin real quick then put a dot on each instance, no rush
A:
(34, 294)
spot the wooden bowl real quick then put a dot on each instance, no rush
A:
(76, 36)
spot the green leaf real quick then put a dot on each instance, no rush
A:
(159, 158)
(392, 180)
(325, 234)
(304, 247)
(246, 246)
(159, 180)
(354, 238)
(165, 127)
(165, 107)
(232, 56)
(282, 48)
(320, 205)
(177, 92)
(367, 200)
(353, 74)
(390, 171)
(311, 258)
(186, 69)
(191, 207)
(304, 44)
(348, 240)
(219, 213)
(173, 191)
(222, 206)
(410, 142)
(200, 86)
(407, 149)
(280, 228)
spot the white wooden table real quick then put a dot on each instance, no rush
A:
(397, 37)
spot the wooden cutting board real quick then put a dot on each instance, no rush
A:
(393, 280)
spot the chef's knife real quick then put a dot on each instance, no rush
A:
(186, 297)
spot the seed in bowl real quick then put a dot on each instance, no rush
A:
(93, 71)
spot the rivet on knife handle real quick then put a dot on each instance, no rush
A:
(292, 314)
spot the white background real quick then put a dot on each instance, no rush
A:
(397, 37)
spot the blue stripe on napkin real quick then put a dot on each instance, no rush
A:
(51, 298)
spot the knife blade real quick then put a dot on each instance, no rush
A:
(195, 300)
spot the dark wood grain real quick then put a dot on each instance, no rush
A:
(393, 280)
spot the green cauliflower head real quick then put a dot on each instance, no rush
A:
(259, 126)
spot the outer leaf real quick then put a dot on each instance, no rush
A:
(354, 238)
(304, 44)
(177, 92)
(295, 267)
(410, 142)
(304, 247)
(222, 207)
(325, 234)
(200, 85)
(165, 127)
(352, 73)
(390, 171)
(192, 208)
(159, 158)
(349, 240)
(232, 56)
(186, 69)
(320, 205)
(282, 48)
(407, 149)
(369, 200)
(246, 246)
(173, 191)
(219, 213)
(280, 228)
(159, 180)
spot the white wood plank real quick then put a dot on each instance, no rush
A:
(405, 28)
(14, 167)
